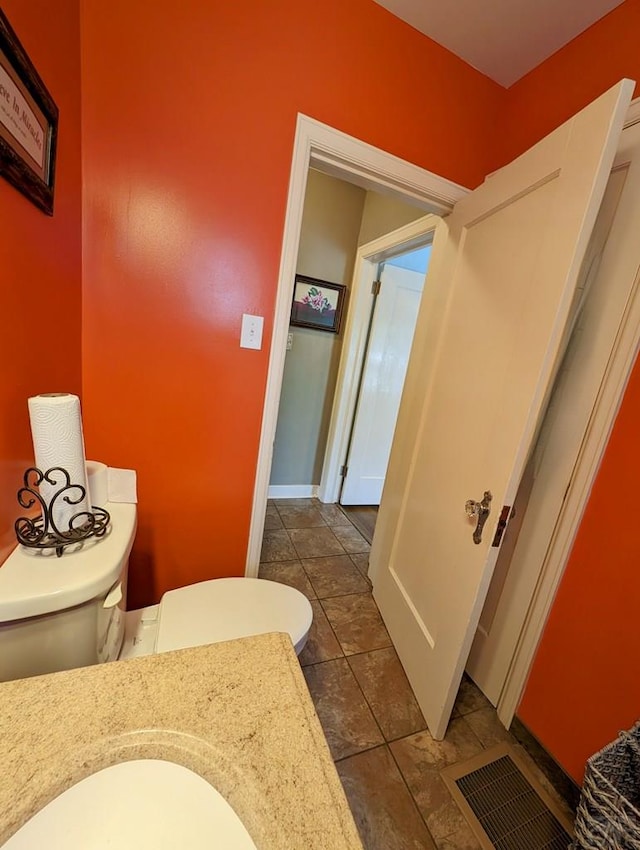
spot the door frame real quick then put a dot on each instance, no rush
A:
(319, 146)
(621, 362)
(413, 235)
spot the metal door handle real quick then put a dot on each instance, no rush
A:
(481, 510)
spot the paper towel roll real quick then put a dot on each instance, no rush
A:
(98, 483)
(56, 429)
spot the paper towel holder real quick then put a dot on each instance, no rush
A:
(41, 532)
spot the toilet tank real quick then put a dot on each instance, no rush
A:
(59, 613)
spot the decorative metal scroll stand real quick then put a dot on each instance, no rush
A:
(42, 532)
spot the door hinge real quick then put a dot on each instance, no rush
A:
(502, 524)
(375, 287)
(343, 470)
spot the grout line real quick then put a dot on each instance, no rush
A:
(333, 595)
(337, 641)
(470, 728)
(317, 557)
(410, 735)
(360, 531)
(371, 709)
(366, 750)
(413, 799)
(368, 652)
(305, 527)
(366, 702)
(333, 632)
(324, 661)
(357, 593)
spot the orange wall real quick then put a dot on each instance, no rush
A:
(584, 686)
(571, 78)
(40, 257)
(188, 122)
(189, 114)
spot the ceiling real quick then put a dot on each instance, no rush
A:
(503, 39)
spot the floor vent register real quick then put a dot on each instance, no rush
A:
(505, 805)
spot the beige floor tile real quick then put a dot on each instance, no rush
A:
(332, 515)
(382, 807)
(351, 539)
(295, 517)
(322, 644)
(347, 721)
(288, 572)
(364, 518)
(336, 575)
(388, 692)
(315, 542)
(470, 698)
(461, 839)
(419, 754)
(357, 623)
(272, 520)
(486, 726)
(437, 806)
(277, 546)
(442, 815)
(361, 561)
(421, 759)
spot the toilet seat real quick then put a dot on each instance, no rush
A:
(229, 608)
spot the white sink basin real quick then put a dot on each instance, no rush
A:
(136, 805)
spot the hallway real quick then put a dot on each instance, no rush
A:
(388, 763)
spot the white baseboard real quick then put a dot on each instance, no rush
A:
(293, 491)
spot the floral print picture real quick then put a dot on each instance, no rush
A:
(317, 304)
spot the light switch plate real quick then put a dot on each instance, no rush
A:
(251, 333)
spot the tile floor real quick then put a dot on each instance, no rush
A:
(388, 763)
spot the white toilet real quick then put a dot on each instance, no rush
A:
(60, 613)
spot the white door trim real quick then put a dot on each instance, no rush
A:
(593, 448)
(410, 236)
(320, 146)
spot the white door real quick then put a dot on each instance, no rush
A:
(504, 280)
(394, 320)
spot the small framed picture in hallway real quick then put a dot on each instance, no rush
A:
(317, 304)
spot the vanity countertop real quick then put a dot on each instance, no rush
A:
(237, 713)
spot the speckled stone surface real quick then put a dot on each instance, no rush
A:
(237, 713)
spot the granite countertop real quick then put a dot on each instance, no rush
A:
(237, 713)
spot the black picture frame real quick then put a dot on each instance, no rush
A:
(28, 123)
(317, 304)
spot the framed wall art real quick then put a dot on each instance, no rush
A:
(317, 304)
(28, 123)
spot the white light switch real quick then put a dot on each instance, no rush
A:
(251, 334)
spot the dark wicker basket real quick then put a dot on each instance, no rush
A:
(608, 816)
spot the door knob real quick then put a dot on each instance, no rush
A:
(481, 510)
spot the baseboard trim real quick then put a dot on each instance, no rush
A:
(293, 491)
(555, 773)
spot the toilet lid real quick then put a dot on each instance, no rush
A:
(228, 608)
